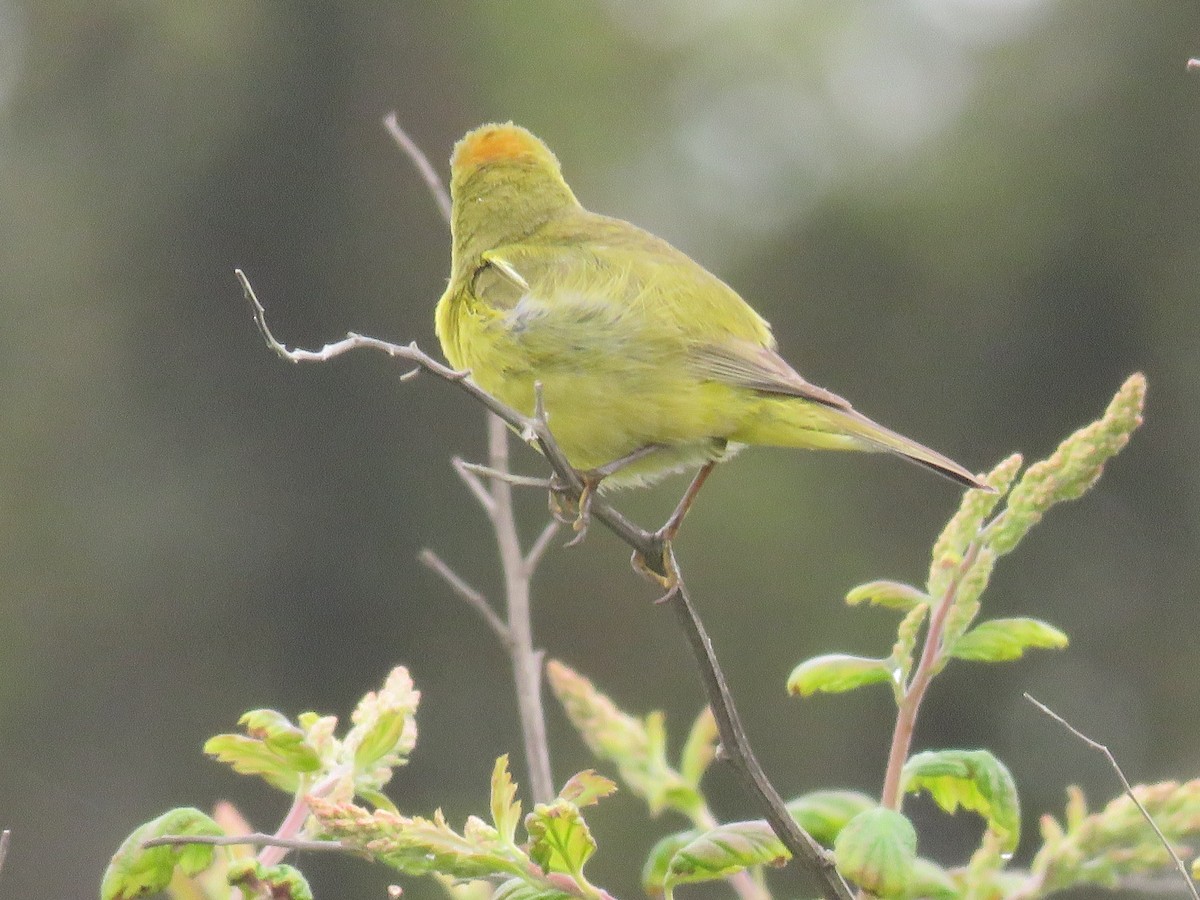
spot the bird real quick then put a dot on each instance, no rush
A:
(647, 363)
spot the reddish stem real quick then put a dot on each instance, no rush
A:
(914, 693)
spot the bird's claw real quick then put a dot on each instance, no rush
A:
(664, 573)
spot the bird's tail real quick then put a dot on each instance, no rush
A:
(803, 423)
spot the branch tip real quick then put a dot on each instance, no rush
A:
(1112, 761)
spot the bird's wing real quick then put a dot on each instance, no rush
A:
(620, 274)
(759, 368)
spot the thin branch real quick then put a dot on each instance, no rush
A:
(736, 746)
(508, 477)
(475, 599)
(540, 546)
(253, 840)
(526, 661)
(5, 840)
(466, 471)
(428, 173)
(1112, 761)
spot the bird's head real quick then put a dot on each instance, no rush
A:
(504, 182)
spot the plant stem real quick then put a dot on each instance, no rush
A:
(914, 693)
(526, 661)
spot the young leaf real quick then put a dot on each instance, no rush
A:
(964, 526)
(637, 747)
(1116, 842)
(136, 871)
(385, 729)
(837, 672)
(559, 838)
(888, 594)
(973, 779)
(1072, 469)
(658, 861)
(878, 849)
(700, 748)
(518, 889)
(248, 756)
(586, 788)
(1005, 639)
(272, 748)
(506, 808)
(281, 882)
(905, 648)
(724, 851)
(824, 813)
(929, 881)
(418, 846)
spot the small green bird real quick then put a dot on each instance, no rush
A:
(648, 363)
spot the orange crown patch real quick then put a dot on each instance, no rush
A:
(490, 143)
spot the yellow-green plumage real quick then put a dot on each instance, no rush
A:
(633, 342)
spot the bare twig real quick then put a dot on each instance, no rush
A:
(526, 662)
(515, 480)
(421, 161)
(476, 600)
(253, 840)
(540, 546)
(467, 472)
(1129, 792)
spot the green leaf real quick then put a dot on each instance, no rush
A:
(1003, 639)
(700, 749)
(518, 889)
(285, 740)
(888, 594)
(385, 729)
(559, 838)
(506, 808)
(280, 882)
(419, 846)
(824, 813)
(837, 672)
(637, 747)
(930, 881)
(1117, 842)
(658, 861)
(724, 851)
(877, 850)
(964, 526)
(973, 779)
(248, 756)
(904, 650)
(136, 871)
(586, 788)
(272, 748)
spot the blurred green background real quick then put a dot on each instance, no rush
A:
(971, 217)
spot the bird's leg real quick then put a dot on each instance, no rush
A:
(665, 535)
(591, 479)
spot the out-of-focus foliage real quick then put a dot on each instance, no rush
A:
(970, 218)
